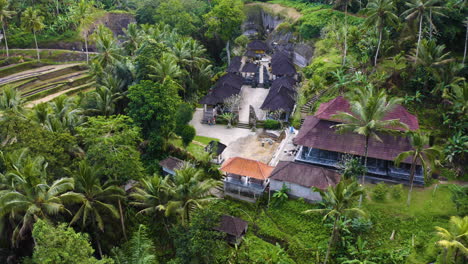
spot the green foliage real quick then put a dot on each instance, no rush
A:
(188, 19)
(313, 22)
(271, 124)
(199, 242)
(396, 191)
(62, 244)
(153, 107)
(149, 51)
(224, 19)
(184, 115)
(459, 198)
(352, 168)
(138, 250)
(187, 133)
(55, 147)
(281, 196)
(380, 191)
(112, 144)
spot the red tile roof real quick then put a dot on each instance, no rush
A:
(340, 104)
(247, 167)
(316, 133)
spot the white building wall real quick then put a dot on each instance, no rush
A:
(296, 190)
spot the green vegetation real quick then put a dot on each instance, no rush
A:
(80, 174)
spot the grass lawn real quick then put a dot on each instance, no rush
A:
(197, 147)
(305, 237)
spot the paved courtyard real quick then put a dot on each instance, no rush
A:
(254, 97)
(225, 135)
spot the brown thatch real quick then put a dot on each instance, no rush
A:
(232, 226)
(305, 175)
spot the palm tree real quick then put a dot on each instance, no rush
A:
(132, 38)
(420, 9)
(109, 52)
(81, 13)
(339, 201)
(4, 15)
(344, 3)
(188, 191)
(465, 22)
(455, 239)
(341, 82)
(139, 250)
(96, 199)
(166, 67)
(422, 153)
(10, 100)
(458, 96)
(380, 13)
(30, 197)
(151, 195)
(447, 77)
(31, 20)
(368, 110)
(430, 55)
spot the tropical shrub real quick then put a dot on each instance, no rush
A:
(379, 193)
(397, 191)
(271, 124)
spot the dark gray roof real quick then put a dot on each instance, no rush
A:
(171, 163)
(228, 85)
(306, 175)
(281, 64)
(232, 225)
(250, 67)
(215, 145)
(282, 95)
(257, 45)
(250, 53)
(235, 65)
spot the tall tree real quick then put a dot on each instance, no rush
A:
(31, 20)
(61, 244)
(139, 250)
(421, 152)
(81, 14)
(419, 10)
(346, 4)
(380, 13)
(339, 201)
(465, 22)
(153, 107)
(30, 197)
(96, 200)
(368, 107)
(10, 100)
(5, 14)
(109, 53)
(454, 240)
(224, 20)
(188, 190)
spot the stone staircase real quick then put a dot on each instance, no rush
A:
(243, 125)
(306, 109)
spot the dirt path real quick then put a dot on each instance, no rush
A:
(279, 9)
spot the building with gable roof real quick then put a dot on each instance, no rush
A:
(245, 179)
(321, 145)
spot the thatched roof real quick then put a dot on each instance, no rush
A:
(171, 163)
(215, 147)
(232, 225)
(235, 65)
(257, 45)
(281, 64)
(282, 95)
(228, 85)
(306, 175)
(250, 67)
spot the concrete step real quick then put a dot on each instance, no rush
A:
(243, 125)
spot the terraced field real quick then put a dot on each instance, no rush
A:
(41, 83)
